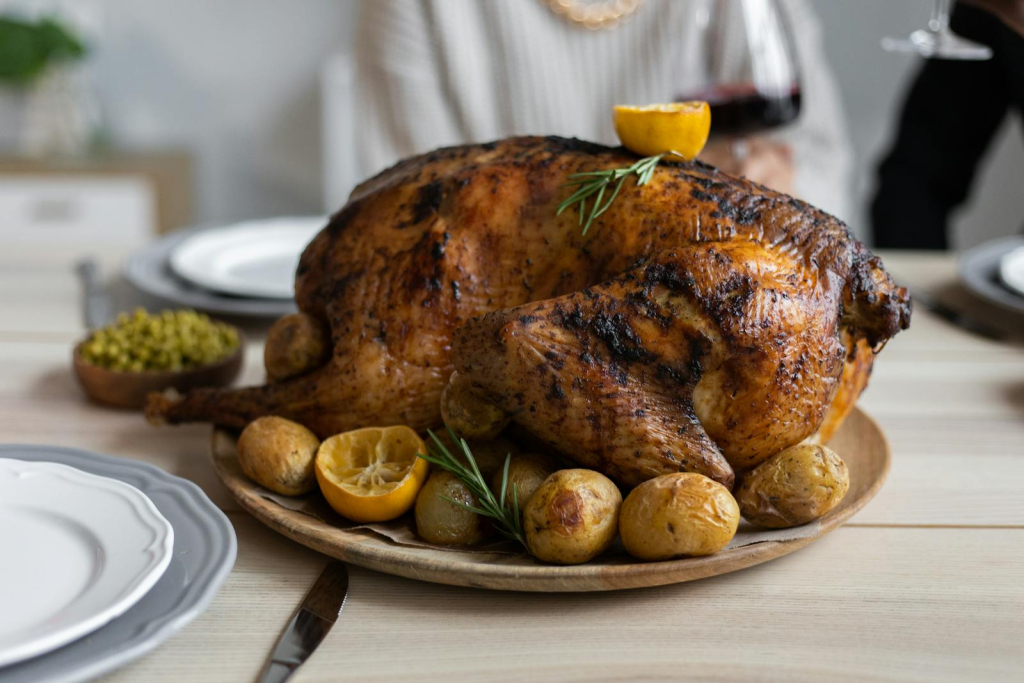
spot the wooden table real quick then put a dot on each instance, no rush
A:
(925, 584)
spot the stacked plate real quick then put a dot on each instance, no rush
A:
(245, 269)
(994, 271)
(103, 559)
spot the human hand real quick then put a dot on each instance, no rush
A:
(762, 160)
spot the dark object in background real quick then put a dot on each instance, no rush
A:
(949, 118)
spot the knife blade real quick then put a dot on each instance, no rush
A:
(319, 610)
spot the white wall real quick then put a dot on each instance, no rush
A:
(237, 82)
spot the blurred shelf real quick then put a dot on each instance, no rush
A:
(110, 194)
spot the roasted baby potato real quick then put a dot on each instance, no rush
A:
(525, 473)
(279, 455)
(442, 522)
(573, 517)
(684, 513)
(793, 487)
(468, 414)
(296, 344)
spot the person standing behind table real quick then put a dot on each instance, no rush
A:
(950, 116)
(431, 73)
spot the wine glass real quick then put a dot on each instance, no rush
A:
(745, 69)
(937, 41)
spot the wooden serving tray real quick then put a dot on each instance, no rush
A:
(859, 442)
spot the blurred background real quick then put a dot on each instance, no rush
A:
(214, 111)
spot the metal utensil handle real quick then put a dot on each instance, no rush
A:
(96, 304)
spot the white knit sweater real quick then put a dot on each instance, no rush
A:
(440, 72)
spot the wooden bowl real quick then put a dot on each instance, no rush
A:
(122, 389)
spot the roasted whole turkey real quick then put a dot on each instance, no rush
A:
(703, 324)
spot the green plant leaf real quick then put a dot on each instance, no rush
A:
(27, 48)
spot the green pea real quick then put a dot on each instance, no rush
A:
(169, 340)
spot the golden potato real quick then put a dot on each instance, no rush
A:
(573, 516)
(468, 414)
(793, 487)
(296, 344)
(439, 521)
(279, 454)
(684, 513)
(526, 473)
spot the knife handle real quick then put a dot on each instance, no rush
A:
(96, 304)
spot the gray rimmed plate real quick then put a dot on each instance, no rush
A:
(149, 270)
(979, 272)
(204, 553)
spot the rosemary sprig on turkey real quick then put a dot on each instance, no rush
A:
(658, 132)
(505, 513)
(597, 183)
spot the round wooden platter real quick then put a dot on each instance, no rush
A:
(859, 442)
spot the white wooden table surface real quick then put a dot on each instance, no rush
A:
(925, 584)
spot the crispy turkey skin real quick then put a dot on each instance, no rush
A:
(725, 321)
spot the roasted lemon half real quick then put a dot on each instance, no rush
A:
(372, 474)
(679, 127)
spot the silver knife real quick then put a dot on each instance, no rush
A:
(317, 614)
(97, 307)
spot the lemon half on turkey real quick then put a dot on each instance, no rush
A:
(679, 127)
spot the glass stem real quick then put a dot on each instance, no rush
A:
(939, 23)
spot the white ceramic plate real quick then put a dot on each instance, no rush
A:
(252, 259)
(204, 551)
(1011, 270)
(149, 270)
(78, 550)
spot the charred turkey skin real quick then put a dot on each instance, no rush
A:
(439, 239)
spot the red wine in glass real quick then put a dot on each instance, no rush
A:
(740, 109)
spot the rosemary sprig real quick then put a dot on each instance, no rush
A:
(597, 183)
(506, 516)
